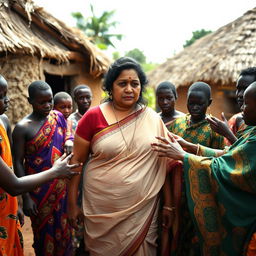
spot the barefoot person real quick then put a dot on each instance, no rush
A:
(42, 136)
(11, 242)
(221, 187)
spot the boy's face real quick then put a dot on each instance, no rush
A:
(42, 102)
(242, 83)
(197, 104)
(83, 99)
(249, 106)
(165, 100)
(4, 100)
(64, 106)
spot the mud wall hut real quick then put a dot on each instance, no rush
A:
(36, 46)
(216, 59)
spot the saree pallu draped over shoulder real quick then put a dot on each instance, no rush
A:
(52, 233)
(121, 187)
(222, 197)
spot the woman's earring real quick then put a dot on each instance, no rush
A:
(110, 95)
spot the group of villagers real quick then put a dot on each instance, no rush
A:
(119, 179)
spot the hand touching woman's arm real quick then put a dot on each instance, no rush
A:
(81, 152)
(15, 186)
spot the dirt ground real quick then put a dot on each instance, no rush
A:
(28, 238)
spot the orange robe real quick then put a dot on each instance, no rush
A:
(11, 241)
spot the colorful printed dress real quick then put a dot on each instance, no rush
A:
(11, 241)
(221, 197)
(233, 125)
(52, 233)
(185, 241)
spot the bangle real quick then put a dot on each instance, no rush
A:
(197, 149)
(169, 208)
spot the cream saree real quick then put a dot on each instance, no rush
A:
(121, 187)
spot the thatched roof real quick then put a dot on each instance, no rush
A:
(216, 58)
(29, 29)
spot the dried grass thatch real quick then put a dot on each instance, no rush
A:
(216, 58)
(27, 28)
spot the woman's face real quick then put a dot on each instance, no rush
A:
(126, 89)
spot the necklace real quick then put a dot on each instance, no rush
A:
(128, 147)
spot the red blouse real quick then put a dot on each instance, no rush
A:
(91, 123)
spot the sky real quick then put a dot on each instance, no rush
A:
(158, 28)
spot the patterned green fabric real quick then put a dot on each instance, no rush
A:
(221, 194)
(197, 133)
(202, 134)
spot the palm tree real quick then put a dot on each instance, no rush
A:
(97, 27)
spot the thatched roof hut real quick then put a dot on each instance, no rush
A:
(217, 58)
(36, 46)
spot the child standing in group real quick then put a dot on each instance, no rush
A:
(166, 96)
(194, 128)
(62, 102)
(83, 98)
(43, 136)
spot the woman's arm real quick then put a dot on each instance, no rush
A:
(15, 186)
(81, 151)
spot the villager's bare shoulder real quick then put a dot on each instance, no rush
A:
(23, 125)
(5, 121)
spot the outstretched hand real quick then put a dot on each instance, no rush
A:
(171, 149)
(63, 169)
(219, 126)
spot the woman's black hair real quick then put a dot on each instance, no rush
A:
(115, 70)
(167, 85)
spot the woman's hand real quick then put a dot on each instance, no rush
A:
(184, 144)
(63, 169)
(167, 217)
(75, 216)
(171, 149)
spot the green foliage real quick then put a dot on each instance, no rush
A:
(196, 35)
(137, 55)
(149, 66)
(150, 97)
(97, 28)
(116, 55)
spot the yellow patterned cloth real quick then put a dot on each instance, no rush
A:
(200, 132)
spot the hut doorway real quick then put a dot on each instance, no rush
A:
(59, 83)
